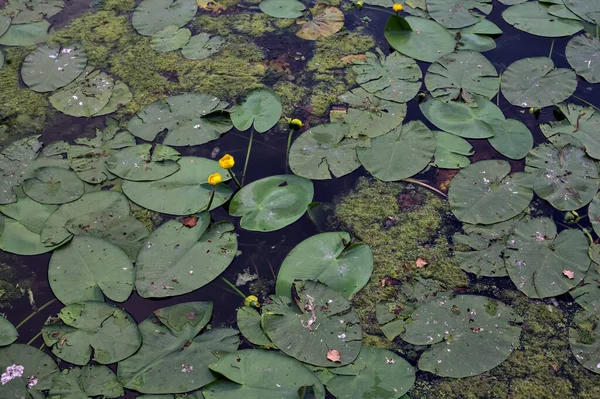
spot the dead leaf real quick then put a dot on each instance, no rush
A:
(211, 5)
(325, 23)
(189, 221)
(569, 273)
(334, 356)
(349, 59)
(421, 262)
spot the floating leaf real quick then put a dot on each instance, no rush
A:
(26, 11)
(534, 82)
(8, 332)
(52, 185)
(593, 213)
(170, 38)
(321, 320)
(329, 258)
(94, 330)
(451, 151)
(458, 15)
(248, 322)
(85, 96)
(583, 54)
(564, 177)
(485, 193)
(25, 34)
(586, 9)
(272, 203)
(191, 119)
(261, 109)
(324, 152)
(282, 8)
(476, 37)
(150, 16)
(473, 334)
(536, 255)
(418, 38)
(35, 363)
(325, 22)
(399, 154)
(511, 138)
(533, 17)
(202, 46)
(584, 337)
(49, 68)
(587, 293)
(184, 192)
(89, 381)
(254, 374)
(135, 163)
(173, 357)
(463, 73)
(5, 21)
(178, 259)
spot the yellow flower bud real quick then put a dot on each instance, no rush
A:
(359, 4)
(226, 162)
(397, 7)
(252, 301)
(214, 179)
(295, 124)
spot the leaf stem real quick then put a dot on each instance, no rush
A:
(287, 151)
(423, 184)
(248, 153)
(379, 9)
(586, 102)
(212, 197)
(235, 179)
(551, 48)
(34, 338)
(44, 306)
(233, 287)
(499, 87)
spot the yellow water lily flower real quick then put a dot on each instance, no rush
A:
(252, 301)
(295, 124)
(226, 162)
(397, 7)
(215, 179)
(359, 4)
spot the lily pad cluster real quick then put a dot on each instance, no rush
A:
(319, 22)
(24, 22)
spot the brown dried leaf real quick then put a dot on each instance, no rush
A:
(569, 273)
(334, 356)
(189, 221)
(421, 262)
(325, 23)
(351, 58)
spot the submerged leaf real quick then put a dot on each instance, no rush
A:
(325, 22)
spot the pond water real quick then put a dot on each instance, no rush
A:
(308, 76)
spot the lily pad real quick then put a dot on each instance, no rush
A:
(191, 119)
(86, 382)
(135, 163)
(593, 213)
(583, 54)
(173, 357)
(463, 73)
(85, 96)
(150, 16)
(35, 363)
(88, 267)
(324, 152)
(586, 9)
(25, 34)
(202, 46)
(26, 11)
(584, 337)
(534, 82)
(272, 203)
(565, 177)
(184, 192)
(399, 154)
(511, 138)
(477, 37)
(419, 38)
(178, 259)
(533, 17)
(394, 78)
(485, 193)
(5, 22)
(536, 257)
(8, 332)
(94, 330)
(248, 321)
(52, 185)
(261, 109)
(587, 293)
(256, 374)
(282, 8)
(464, 120)
(121, 95)
(477, 328)
(330, 258)
(170, 38)
(320, 321)
(453, 14)
(376, 373)
(50, 68)
(325, 22)
(451, 151)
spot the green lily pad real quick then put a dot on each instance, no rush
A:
(170, 38)
(511, 138)
(85, 96)
(55, 231)
(248, 321)
(150, 16)
(184, 192)
(173, 357)
(5, 22)
(35, 363)
(256, 374)
(565, 177)
(534, 82)
(587, 293)
(485, 193)
(369, 115)
(376, 373)
(583, 54)
(26, 11)
(1, 59)
(453, 14)
(121, 95)
(394, 78)
(53, 185)
(321, 320)
(202, 46)
(8, 332)
(272, 203)
(463, 73)
(330, 258)
(261, 109)
(593, 213)
(191, 119)
(537, 258)
(477, 328)
(451, 151)
(419, 38)
(399, 154)
(533, 17)
(88, 267)
(25, 34)
(50, 68)
(584, 337)
(178, 259)
(86, 382)
(137, 164)
(282, 8)
(477, 37)
(324, 152)
(586, 9)
(89, 155)
(325, 22)
(465, 120)
(94, 330)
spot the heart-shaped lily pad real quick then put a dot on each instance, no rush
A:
(202, 46)
(261, 109)
(150, 16)
(451, 151)
(49, 68)
(511, 138)
(282, 8)
(8, 332)
(35, 363)
(27, 11)
(533, 17)
(583, 54)
(53, 185)
(248, 321)
(584, 337)
(170, 38)
(85, 96)
(453, 14)
(477, 37)
(137, 164)
(25, 34)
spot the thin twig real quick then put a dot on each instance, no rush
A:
(586, 102)
(551, 48)
(248, 153)
(233, 287)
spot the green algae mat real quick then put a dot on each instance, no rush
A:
(296, 199)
